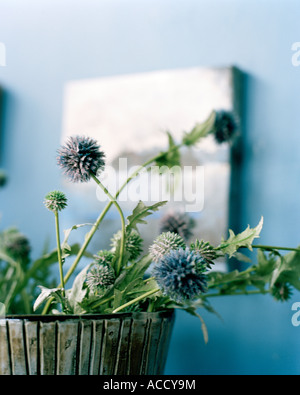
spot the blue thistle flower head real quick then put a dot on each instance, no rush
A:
(225, 126)
(179, 223)
(180, 275)
(80, 157)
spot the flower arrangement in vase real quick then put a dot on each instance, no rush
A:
(177, 273)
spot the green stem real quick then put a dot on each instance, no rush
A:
(81, 252)
(101, 302)
(151, 306)
(106, 209)
(59, 255)
(145, 295)
(265, 247)
(262, 247)
(91, 233)
(240, 275)
(253, 292)
(113, 200)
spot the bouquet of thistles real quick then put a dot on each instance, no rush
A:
(177, 271)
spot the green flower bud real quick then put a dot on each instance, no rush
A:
(164, 243)
(55, 201)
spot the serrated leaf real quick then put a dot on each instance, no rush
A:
(243, 239)
(265, 264)
(200, 131)
(140, 212)
(219, 278)
(171, 157)
(287, 270)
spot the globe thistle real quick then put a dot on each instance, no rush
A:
(104, 257)
(3, 178)
(225, 126)
(16, 245)
(99, 277)
(281, 291)
(180, 275)
(80, 157)
(133, 244)
(55, 201)
(179, 223)
(206, 251)
(164, 243)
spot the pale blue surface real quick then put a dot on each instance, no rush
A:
(49, 42)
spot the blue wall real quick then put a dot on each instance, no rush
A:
(52, 41)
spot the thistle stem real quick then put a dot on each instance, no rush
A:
(265, 247)
(145, 295)
(91, 233)
(253, 292)
(59, 255)
(113, 200)
(101, 302)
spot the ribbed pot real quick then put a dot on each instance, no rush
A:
(111, 344)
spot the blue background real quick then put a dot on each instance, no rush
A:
(52, 41)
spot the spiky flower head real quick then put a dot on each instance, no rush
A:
(16, 245)
(3, 178)
(104, 257)
(99, 277)
(133, 243)
(164, 243)
(281, 291)
(225, 126)
(206, 251)
(180, 275)
(178, 222)
(55, 201)
(80, 157)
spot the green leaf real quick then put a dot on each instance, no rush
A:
(65, 246)
(244, 239)
(169, 158)
(77, 292)
(137, 288)
(200, 131)
(287, 270)
(140, 212)
(235, 281)
(265, 264)
(118, 297)
(46, 261)
(138, 269)
(45, 294)
(126, 282)
(2, 310)
(6, 258)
